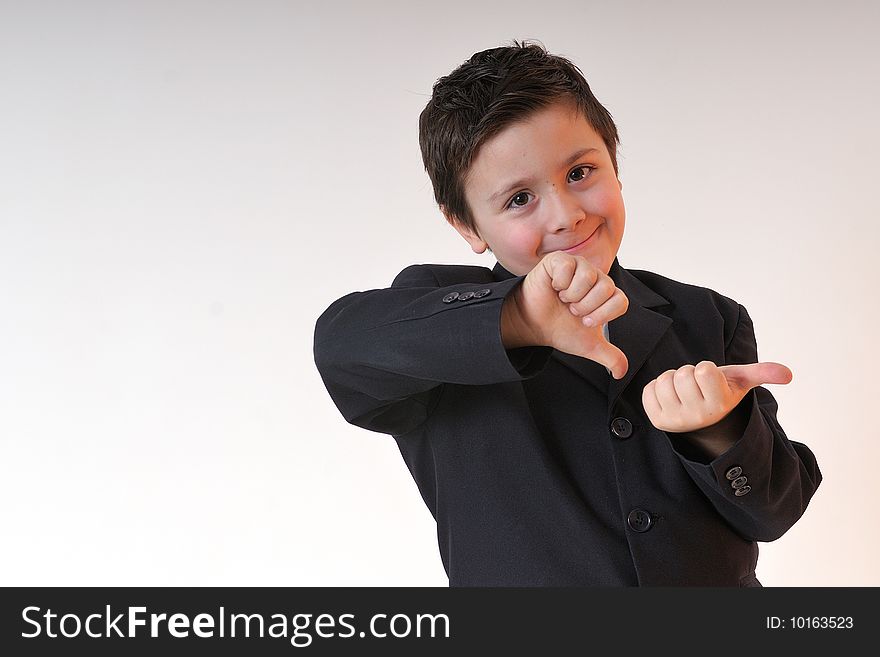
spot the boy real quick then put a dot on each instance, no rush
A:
(568, 422)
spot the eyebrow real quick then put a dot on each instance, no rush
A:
(523, 182)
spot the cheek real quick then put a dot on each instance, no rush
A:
(523, 240)
(604, 200)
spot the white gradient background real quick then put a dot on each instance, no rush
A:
(186, 186)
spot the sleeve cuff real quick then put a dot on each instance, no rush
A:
(733, 471)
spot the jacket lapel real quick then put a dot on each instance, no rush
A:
(636, 333)
(592, 371)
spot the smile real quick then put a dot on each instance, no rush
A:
(584, 243)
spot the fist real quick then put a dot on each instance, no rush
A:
(563, 303)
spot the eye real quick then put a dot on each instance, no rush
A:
(519, 200)
(585, 170)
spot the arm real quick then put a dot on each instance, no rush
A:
(384, 354)
(782, 475)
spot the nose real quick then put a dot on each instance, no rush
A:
(565, 212)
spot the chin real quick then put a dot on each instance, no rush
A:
(599, 262)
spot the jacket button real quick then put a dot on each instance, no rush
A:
(464, 296)
(479, 294)
(739, 482)
(733, 473)
(739, 492)
(639, 520)
(449, 298)
(621, 428)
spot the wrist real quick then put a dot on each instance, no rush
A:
(717, 438)
(515, 332)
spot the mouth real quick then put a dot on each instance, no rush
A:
(583, 243)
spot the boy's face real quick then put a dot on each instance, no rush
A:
(545, 184)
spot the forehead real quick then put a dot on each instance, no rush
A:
(536, 145)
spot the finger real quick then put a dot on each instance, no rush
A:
(687, 388)
(666, 394)
(560, 268)
(616, 306)
(584, 280)
(712, 384)
(598, 293)
(748, 376)
(650, 402)
(605, 353)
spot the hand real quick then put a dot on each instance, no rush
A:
(694, 397)
(563, 303)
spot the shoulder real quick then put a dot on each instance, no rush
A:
(681, 292)
(432, 275)
(706, 311)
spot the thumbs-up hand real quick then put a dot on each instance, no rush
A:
(694, 397)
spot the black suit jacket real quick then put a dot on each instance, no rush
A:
(539, 468)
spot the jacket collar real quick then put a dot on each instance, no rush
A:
(636, 291)
(636, 332)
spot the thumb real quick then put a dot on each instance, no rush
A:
(611, 357)
(748, 376)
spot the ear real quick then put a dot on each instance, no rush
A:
(478, 245)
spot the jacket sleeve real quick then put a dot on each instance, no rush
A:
(779, 475)
(385, 354)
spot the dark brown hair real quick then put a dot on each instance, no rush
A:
(491, 90)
